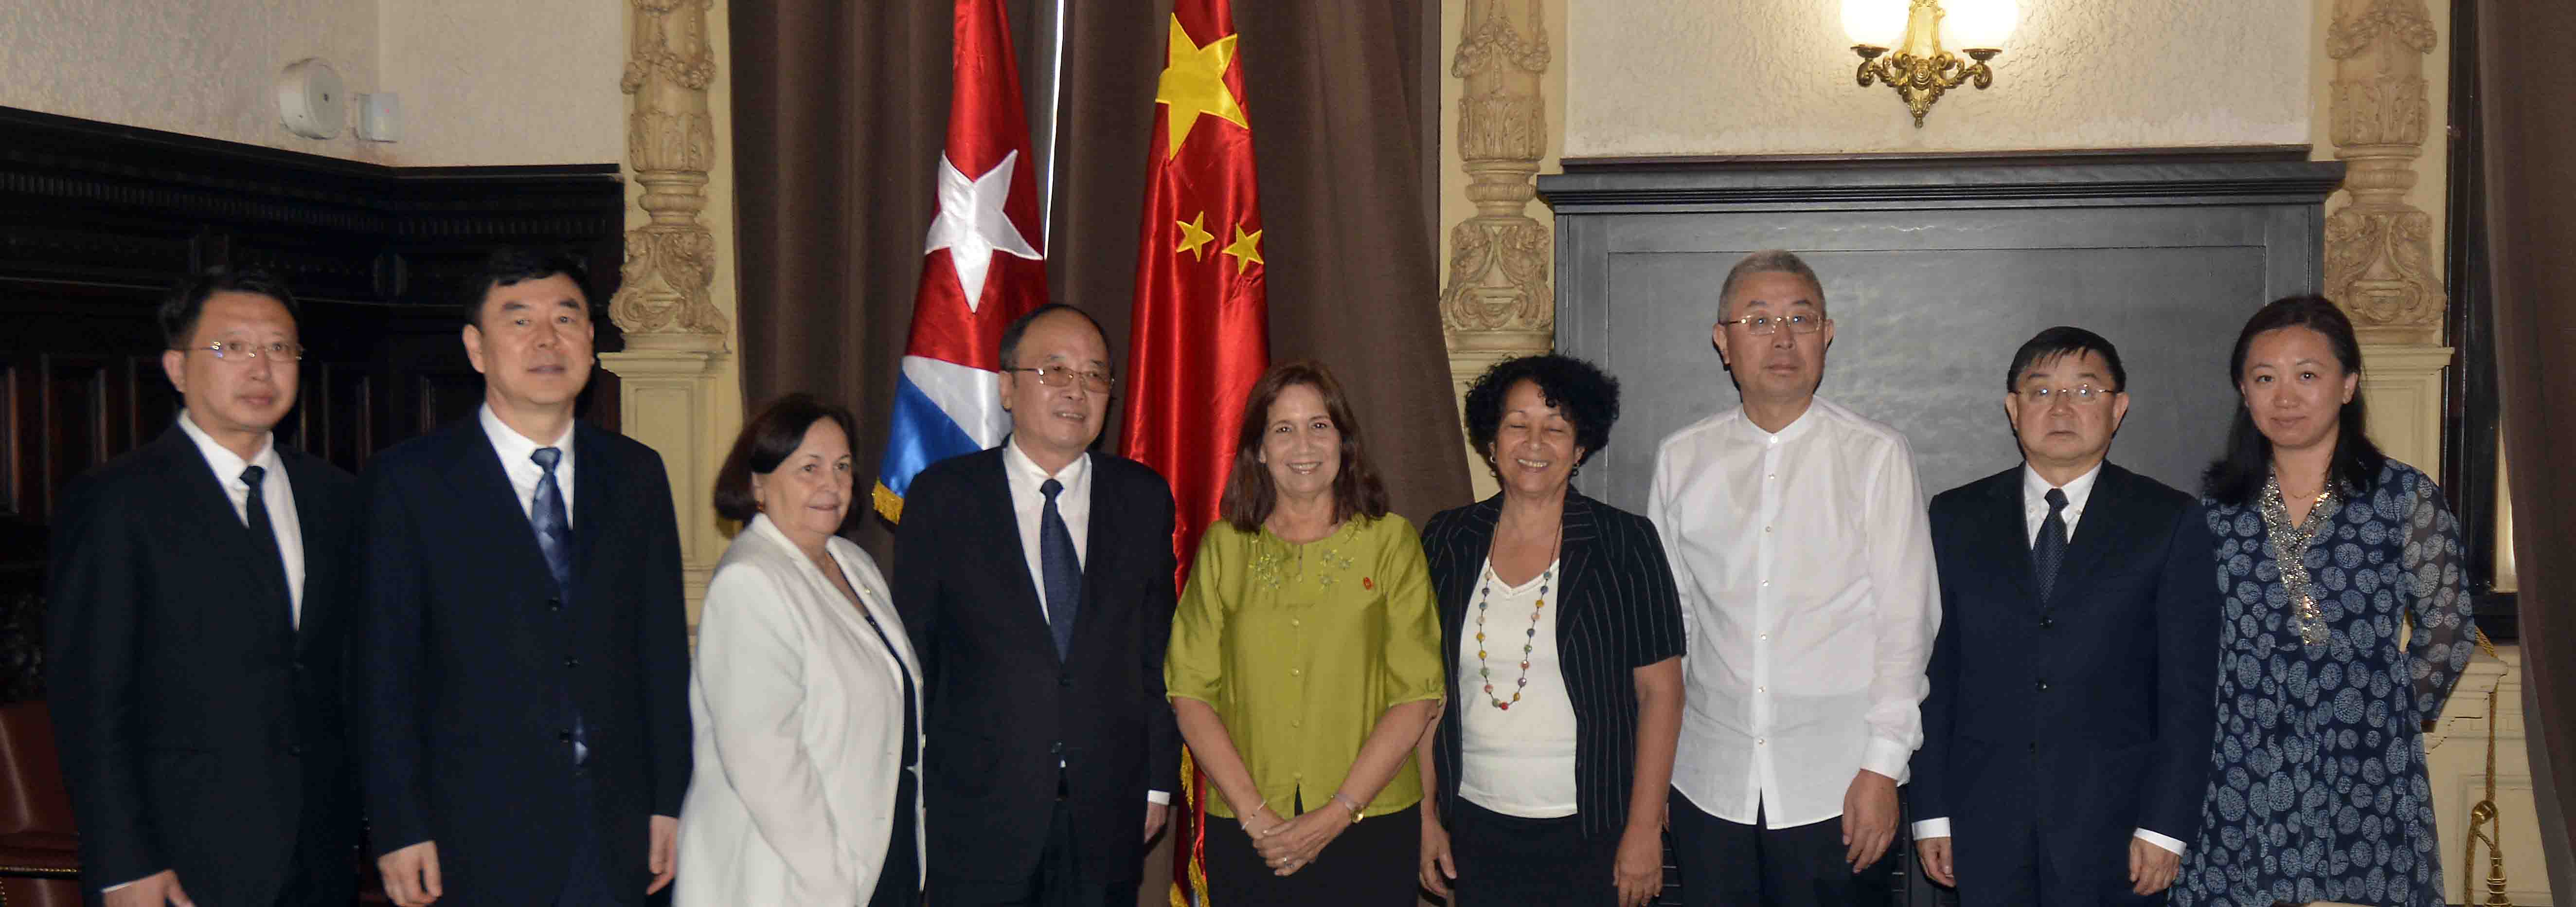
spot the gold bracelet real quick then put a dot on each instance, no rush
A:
(1347, 804)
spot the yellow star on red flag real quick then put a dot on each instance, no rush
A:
(1194, 236)
(1246, 249)
(1194, 84)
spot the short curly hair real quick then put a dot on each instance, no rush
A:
(1587, 396)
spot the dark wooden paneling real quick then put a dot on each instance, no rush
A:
(97, 221)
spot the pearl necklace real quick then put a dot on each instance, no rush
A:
(1484, 600)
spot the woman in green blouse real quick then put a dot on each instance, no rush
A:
(1305, 661)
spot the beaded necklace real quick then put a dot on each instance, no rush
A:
(2290, 543)
(1484, 599)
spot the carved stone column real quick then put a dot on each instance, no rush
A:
(2379, 249)
(1500, 301)
(676, 338)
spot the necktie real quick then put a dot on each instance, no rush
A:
(2048, 552)
(554, 528)
(554, 537)
(1063, 570)
(263, 538)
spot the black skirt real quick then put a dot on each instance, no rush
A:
(1509, 861)
(1373, 864)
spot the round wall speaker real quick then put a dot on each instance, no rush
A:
(311, 101)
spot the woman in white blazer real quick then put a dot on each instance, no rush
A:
(806, 696)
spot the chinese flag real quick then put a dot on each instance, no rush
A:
(1200, 334)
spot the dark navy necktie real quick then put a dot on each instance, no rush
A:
(1063, 570)
(2048, 552)
(554, 537)
(263, 538)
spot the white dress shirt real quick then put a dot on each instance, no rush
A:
(1518, 762)
(274, 492)
(516, 462)
(1028, 505)
(1804, 560)
(2034, 508)
(1072, 504)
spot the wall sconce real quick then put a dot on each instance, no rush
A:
(1920, 70)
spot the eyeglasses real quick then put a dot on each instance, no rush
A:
(1095, 382)
(282, 350)
(1767, 325)
(2080, 395)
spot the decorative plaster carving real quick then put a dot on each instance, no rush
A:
(670, 146)
(2379, 249)
(1499, 299)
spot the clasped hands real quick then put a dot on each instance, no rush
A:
(1288, 845)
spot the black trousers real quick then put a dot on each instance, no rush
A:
(1373, 864)
(2011, 872)
(1506, 861)
(1725, 864)
(1059, 881)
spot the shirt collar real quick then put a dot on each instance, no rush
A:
(1748, 431)
(227, 464)
(2034, 490)
(1073, 475)
(513, 446)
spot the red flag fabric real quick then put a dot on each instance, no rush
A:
(1201, 328)
(981, 265)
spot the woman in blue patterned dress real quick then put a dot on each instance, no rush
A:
(2326, 549)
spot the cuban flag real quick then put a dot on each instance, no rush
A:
(981, 269)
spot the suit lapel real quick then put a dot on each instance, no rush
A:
(596, 483)
(485, 497)
(2102, 516)
(320, 573)
(1581, 530)
(1104, 545)
(1022, 607)
(2008, 535)
(208, 510)
(1467, 548)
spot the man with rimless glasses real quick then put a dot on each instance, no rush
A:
(197, 614)
(2067, 735)
(1796, 532)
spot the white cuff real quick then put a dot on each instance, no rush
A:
(1932, 828)
(1886, 757)
(2170, 845)
(1159, 797)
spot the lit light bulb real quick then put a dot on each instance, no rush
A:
(1877, 23)
(1977, 24)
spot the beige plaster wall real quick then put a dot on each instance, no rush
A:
(505, 81)
(480, 81)
(1697, 77)
(201, 68)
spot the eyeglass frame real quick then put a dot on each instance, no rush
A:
(1104, 381)
(1754, 330)
(2086, 395)
(292, 351)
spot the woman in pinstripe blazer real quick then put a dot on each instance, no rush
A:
(1553, 752)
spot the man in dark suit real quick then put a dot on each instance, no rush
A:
(2067, 734)
(196, 629)
(525, 649)
(1036, 580)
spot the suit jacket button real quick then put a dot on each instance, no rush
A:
(563, 736)
(2042, 685)
(572, 662)
(1064, 680)
(554, 604)
(2047, 622)
(296, 750)
(1056, 750)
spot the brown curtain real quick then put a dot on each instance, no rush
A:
(840, 108)
(1336, 93)
(2530, 142)
(840, 112)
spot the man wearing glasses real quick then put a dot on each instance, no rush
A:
(1036, 581)
(2066, 739)
(1797, 536)
(197, 612)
